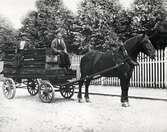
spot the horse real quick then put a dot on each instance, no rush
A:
(96, 61)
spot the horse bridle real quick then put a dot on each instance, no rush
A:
(140, 57)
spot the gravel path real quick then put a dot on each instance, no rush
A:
(104, 114)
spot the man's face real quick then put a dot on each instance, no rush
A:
(59, 36)
(23, 37)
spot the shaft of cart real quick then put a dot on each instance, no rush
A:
(93, 76)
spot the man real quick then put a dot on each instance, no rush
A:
(24, 44)
(19, 50)
(19, 55)
(58, 47)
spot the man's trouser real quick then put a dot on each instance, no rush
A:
(64, 60)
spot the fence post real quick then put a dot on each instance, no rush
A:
(1, 66)
(165, 62)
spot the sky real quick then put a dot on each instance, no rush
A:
(15, 10)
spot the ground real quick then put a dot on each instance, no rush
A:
(25, 113)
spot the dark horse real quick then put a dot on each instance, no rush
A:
(95, 61)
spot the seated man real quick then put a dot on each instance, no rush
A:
(58, 47)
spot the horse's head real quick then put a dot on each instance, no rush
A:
(147, 47)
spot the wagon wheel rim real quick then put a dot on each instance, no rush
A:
(67, 91)
(46, 92)
(9, 88)
(32, 87)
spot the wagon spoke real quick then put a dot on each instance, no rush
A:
(49, 97)
(6, 93)
(43, 96)
(66, 94)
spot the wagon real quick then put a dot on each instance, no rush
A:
(39, 70)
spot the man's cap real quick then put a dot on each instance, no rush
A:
(59, 34)
(23, 34)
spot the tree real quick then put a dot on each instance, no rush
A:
(141, 17)
(123, 24)
(42, 25)
(7, 34)
(93, 24)
(148, 12)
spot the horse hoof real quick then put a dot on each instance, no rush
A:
(80, 100)
(87, 100)
(125, 104)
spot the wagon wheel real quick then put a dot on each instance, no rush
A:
(46, 92)
(9, 88)
(32, 86)
(67, 91)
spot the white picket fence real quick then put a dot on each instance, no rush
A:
(149, 73)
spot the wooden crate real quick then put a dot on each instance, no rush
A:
(36, 63)
(52, 61)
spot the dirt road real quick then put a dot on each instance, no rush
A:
(104, 114)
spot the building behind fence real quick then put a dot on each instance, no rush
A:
(149, 73)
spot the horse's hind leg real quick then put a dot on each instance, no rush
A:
(80, 91)
(87, 83)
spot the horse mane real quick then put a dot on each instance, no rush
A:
(133, 39)
(132, 44)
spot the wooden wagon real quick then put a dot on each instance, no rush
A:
(39, 70)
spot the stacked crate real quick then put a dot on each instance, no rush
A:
(33, 62)
(52, 64)
(9, 61)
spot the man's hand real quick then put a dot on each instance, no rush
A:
(65, 51)
(59, 51)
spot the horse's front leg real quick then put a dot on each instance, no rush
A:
(87, 83)
(80, 91)
(124, 95)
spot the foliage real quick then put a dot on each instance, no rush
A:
(7, 34)
(123, 24)
(100, 24)
(42, 25)
(148, 12)
(93, 24)
(142, 17)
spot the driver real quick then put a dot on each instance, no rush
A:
(59, 47)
